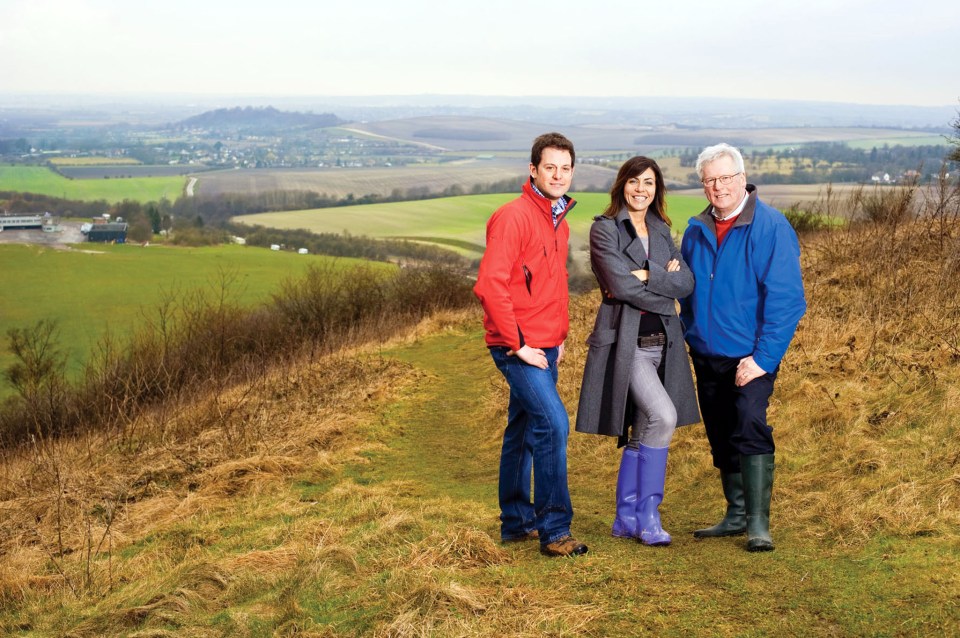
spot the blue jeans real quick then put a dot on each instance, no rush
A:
(536, 437)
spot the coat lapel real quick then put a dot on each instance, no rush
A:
(633, 247)
(659, 247)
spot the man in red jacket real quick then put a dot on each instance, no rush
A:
(522, 286)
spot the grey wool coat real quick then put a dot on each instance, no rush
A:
(615, 250)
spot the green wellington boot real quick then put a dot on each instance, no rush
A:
(734, 522)
(757, 486)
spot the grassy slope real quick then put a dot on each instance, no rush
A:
(357, 496)
(112, 288)
(369, 508)
(36, 179)
(807, 586)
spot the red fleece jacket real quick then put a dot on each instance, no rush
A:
(522, 282)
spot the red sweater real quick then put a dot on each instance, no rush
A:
(723, 227)
(522, 282)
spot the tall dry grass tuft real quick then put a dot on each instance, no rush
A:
(436, 603)
(463, 547)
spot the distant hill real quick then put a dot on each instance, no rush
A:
(260, 118)
(493, 135)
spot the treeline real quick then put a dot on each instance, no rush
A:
(822, 162)
(14, 202)
(217, 210)
(17, 146)
(266, 118)
(347, 245)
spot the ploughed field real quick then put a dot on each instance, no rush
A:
(385, 181)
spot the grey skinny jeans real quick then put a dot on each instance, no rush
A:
(655, 416)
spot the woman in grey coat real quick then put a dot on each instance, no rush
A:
(637, 376)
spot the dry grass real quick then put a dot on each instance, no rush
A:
(136, 527)
(431, 604)
(72, 505)
(871, 395)
(462, 547)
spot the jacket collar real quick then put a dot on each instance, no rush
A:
(543, 204)
(743, 219)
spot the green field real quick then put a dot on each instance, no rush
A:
(112, 289)
(37, 179)
(462, 219)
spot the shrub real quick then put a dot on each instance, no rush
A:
(804, 221)
(200, 343)
(37, 375)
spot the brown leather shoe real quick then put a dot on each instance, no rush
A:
(532, 535)
(565, 546)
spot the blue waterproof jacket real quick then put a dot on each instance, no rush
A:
(748, 296)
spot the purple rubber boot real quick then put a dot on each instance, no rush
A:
(653, 474)
(625, 523)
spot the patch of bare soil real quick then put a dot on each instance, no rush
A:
(69, 233)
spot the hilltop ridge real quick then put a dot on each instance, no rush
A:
(265, 118)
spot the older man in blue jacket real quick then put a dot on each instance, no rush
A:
(738, 322)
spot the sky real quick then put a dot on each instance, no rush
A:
(859, 51)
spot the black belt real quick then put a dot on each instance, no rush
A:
(649, 341)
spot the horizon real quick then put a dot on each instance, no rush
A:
(437, 99)
(623, 111)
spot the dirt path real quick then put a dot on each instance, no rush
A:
(450, 432)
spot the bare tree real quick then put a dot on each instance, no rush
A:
(954, 156)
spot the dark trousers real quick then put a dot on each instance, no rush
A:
(735, 418)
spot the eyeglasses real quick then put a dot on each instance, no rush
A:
(723, 179)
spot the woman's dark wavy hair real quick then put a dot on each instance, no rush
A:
(634, 167)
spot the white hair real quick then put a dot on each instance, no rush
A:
(717, 151)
